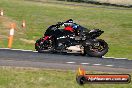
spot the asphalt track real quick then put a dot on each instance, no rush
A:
(28, 58)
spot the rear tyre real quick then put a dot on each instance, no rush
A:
(97, 51)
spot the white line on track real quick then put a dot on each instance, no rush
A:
(84, 63)
(70, 62)
(114, 58)
(15, 49)
(26, 50)
(120, 58)
(109, 65)
(107, 57)
(96, 64)
(18, 49)
(4, 48)
(35, 51)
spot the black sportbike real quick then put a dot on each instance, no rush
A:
(57, 40)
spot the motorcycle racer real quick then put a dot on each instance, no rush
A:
(71, 37)
(71, 26)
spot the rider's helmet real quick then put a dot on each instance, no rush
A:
(69, 22)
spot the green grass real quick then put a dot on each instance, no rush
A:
(117, 23)
(11, 77)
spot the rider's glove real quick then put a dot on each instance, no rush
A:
(60, 23)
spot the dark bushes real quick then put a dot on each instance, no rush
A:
(98, 3)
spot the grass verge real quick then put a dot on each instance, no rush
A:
(14, 77)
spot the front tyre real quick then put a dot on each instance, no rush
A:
(45, 46)
(99, 49)
(38, 47)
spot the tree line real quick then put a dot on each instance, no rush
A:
(98, 3)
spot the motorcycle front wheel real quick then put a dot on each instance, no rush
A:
(45, 46)
(97, 50)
